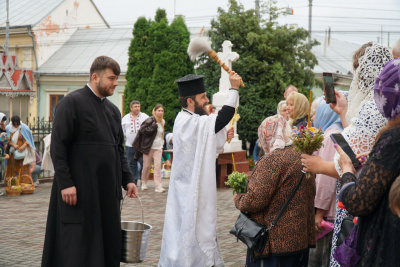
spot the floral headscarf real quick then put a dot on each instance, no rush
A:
(274, 133)
(387, 94)
(4, 138)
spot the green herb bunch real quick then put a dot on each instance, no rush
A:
(238, 182)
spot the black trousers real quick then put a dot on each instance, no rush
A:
(298, 260)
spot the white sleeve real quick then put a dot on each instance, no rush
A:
(233, 98)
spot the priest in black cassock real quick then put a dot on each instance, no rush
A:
(84, 220)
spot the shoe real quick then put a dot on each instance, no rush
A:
(36, 183)
(1, 193)
(160, 189)
(144, 186)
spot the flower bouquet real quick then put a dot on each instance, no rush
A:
(307, 140)
(238, 182)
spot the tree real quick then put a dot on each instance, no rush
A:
(140, 63)
(272, 57)
(165, 47)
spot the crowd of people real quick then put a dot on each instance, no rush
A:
(91, 168)
(367, 116)
(15, 140)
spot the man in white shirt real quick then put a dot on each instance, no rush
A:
(131, 124)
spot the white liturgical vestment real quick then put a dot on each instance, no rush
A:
(190, 227)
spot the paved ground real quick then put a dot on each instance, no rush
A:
(23, 221)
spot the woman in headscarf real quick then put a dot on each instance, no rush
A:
(283, 110)
(360, 118)
(325, 199)
(367, 196)
(273, 181)
(20, 137)
(298, 109)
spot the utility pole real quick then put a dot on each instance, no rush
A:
(309, 20)
(7, 30)
(258, 9)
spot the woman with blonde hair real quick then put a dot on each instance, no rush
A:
(298, 109)
(150, 142)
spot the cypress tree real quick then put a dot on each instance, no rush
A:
(140, 63)
(166, 60)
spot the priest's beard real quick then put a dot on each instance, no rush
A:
(104, 89)
(199, 109)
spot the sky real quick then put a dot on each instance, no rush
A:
(357, 21)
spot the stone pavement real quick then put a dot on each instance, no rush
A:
(23, 223)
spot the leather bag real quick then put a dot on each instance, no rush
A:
(249, 232)
(253, 234)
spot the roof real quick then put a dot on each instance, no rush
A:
(77, 54)
(13, 80)
(338, 57)
(26, 12)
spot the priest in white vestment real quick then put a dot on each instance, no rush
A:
(190, 227)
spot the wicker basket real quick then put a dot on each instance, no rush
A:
(16, 191)
(27, 188)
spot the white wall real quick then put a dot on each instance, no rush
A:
(54, 30)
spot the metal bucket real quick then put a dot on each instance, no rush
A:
(135, 238)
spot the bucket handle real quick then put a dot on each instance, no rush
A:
(140, 206)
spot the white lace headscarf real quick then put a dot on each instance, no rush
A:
(362, 86)
(364, 119)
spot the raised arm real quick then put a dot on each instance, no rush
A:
(228, 110)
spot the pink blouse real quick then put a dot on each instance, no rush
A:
(325, 197)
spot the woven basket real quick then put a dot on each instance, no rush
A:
(13, 191)
(27, 188)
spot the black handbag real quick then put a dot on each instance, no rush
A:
(253, 234)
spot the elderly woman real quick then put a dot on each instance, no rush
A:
(298, 109)
(20, 137)
(283, 110)
(273, 181)
(367, 196)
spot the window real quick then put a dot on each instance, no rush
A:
(54, 99)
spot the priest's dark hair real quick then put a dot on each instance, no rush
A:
(15, 120)
(183, 100)
(102, 63)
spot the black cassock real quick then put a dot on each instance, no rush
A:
(87, 152)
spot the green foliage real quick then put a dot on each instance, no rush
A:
(238, 182)
(157, 57)
(272, 57)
